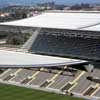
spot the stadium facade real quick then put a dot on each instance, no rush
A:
(78, 34)
(60, 34)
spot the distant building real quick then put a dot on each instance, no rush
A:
(4, 14)
(97, 8)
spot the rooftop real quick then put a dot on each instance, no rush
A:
(18, 59)
(74, 21)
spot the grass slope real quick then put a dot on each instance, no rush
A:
(9, 92)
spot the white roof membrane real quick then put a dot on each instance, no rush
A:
(93, 28)
(18, 59)
(58, 20)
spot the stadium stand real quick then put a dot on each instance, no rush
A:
(78, 37)
(21, 75)
(62, 45)
(80, 88)
(67, 81)
(8, 74)
(40, 78)
(97, 93)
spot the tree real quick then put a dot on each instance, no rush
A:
(17, 38)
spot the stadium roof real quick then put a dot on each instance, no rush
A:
(19, 59)
(74, 21)
(93, 28)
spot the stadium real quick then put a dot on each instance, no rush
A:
(62, 55)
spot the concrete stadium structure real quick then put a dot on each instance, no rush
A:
(79, 37)
(80, 30)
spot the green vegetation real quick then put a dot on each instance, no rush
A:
(9, 92)
(17, 38)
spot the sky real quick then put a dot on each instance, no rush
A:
(2, 2)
